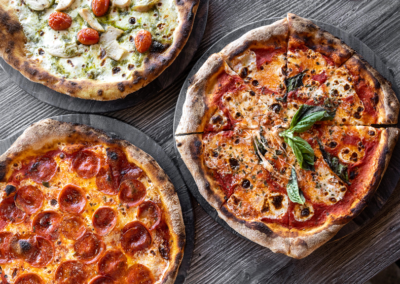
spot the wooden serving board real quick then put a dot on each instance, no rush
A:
(117, 129)
(391, 177)
(66, 102)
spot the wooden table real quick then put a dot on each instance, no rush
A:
(219, 256)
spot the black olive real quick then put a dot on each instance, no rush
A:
(234, 163)
(305, 212)
(132, 20)
(276, 108)
(10, 189)
(215, 154)
(357, 115)
(246, 183)
(360, 109)
(237, 141)
(255, 83)
(252, 93)
(346, 87)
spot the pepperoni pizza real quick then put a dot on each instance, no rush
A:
(277, 132)
(80, 207)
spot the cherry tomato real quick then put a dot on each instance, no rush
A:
(88, 36)
(143, 41)
(59, 21)
(100, 7)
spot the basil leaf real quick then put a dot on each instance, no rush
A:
(294, 82)
(302, 150)
(293, 190)
(308, 122)
(298, 154)
(338, 168)
(306, 114)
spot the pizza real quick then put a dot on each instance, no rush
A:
(287, 134)
(94, 49)
(80, 207)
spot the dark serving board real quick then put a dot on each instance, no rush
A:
(391, 177)
(117, 129)
(66, 102)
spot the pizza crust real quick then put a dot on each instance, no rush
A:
(197, 108)
(388, 105)
(306, 32)
(12, 49)
(273, 35)
(47, 132)
(304, 242)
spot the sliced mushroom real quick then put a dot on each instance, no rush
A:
(66, 51)
(39, 5)
(121, 3)
(108, 41)
(88, 17)
(145, 5)
(64, 4)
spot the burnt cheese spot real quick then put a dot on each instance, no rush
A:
(357, 115)
(371, 133)
(277, 201)
(10, 189)
(216, 119)
(332, 144)
(115, 70)
(53, 202)
(244, 72)
(112, 155)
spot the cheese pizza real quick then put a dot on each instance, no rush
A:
(281, 132)
(97, 49)
(80, 207)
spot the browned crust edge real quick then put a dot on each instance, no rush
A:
(304, 243)
(191, 149)
(12, 49)
(388, 106)
(196, 106)
(48, 132)
(308, 33)
(270, 35)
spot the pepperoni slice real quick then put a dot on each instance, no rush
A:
(10, 213)
(104, 220)
(29, 199)
(29, 278)
(5, 242)
(139, 274)
(135, 237)
(47, 224)
(101, 280)
(71, 272)
(42, 169)
(72, 199)
(73, 227)
(113, 264)
(106, 182)
(35, 250)
(132, 173)
(132, 192)
(86, 164)
(149, 214)
(89, 248)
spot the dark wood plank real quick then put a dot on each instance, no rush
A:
(221, 257)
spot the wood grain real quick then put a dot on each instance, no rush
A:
(220, 256)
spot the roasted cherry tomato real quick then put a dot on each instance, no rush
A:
(143, 41)
(100, 7)
(59, 21)
(88, 36)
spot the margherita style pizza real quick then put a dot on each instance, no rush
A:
(94, 49)
(277, 132)
(80, 207)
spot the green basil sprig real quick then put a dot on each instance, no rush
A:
(294, 82)
(305, 117)
(293, 190)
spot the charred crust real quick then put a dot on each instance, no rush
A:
(11, 25)
(121, 87)
(3, 169)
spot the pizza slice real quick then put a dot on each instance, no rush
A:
(218, 100)
(230, 174)
(349, 164)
